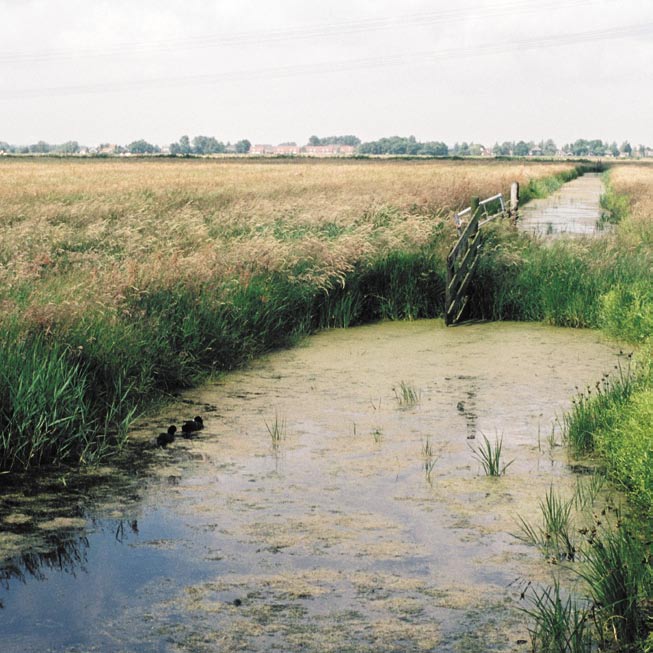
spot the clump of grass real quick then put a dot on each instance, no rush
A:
(489, 454)
(587, 490)
(377, 434)
(560, 624)
(620, 581)
(430, 458)
(276, 429)
(594, 409)
(407, 395)
(555, 536)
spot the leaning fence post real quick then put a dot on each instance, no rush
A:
(514, 201)
(474, 204)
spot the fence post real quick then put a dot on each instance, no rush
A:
(474, 204)
(514, 201)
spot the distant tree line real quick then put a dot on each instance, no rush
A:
(401, 145)
(393, 145)
(207, 145)
(354, 141)
(580, 147)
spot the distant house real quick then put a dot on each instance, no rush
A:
(261, 149)
(107, 148)
(536, 151)
(329, 150)
(287, 149)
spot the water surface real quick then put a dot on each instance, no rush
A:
(573, 210)
(335, 538)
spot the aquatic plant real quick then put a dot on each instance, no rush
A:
(407, 394)
(620, 583)
(560, 624)
(489, 455)
(276, 429)
(429, 459)
(555, 536)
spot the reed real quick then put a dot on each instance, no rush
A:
(489, 454)
(407, 395)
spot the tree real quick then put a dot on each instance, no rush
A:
(434, 148)
(348, 139)
(626, 148)
(243, 147)
(614, 149)
(39, 148)
(207, 145)
(521, 149)
(182, 148)
(549, 147)
(142, 147)
(70, 147)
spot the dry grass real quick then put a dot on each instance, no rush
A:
(635, 181)
(78, 235)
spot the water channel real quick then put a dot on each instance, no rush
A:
(573, 210)
(335, 536)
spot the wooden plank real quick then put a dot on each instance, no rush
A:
(462, 241)
(460, 270)
(465, 281)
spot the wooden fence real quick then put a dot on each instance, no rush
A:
(464, 256)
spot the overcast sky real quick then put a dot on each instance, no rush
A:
(281, 70)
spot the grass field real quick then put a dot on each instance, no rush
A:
(120, 280)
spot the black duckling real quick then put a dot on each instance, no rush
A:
(164, 439)
(189, 427)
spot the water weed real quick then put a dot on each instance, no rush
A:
(407, 395)
(560, 623)
(489, 455)
(276, 429)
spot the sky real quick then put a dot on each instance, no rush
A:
(271, 71)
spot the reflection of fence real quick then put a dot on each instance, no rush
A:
(463, 258)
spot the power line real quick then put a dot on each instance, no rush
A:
(430, 56)
(309, 32)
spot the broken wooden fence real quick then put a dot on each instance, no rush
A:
(464, 256)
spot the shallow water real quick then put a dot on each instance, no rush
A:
(334, 538)
(573, 210)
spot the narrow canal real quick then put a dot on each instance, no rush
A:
(318, 510)
(573, 210)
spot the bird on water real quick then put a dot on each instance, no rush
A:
(189, 427)
(164, 439)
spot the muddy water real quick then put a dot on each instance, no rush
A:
(573, 210)
(335, 537)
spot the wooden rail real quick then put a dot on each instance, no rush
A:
(463, 258)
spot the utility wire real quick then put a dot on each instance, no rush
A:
(321, 68)
(309, 32)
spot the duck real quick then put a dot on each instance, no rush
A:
(190, 426)
(164, 439)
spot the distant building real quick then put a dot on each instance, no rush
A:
(329, 150)
(262, 149)
(107, 148)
